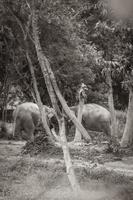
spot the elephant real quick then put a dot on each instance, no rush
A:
(26, 117)
(95, 118)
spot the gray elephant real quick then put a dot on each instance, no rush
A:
(26, 118)
(95, 118)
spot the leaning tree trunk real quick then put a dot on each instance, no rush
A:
(51, 90)
(127, 138)
(39, 102)
(47, 72)
(67, 158)
(64, 104)
(38, 98)
(78, 137)
(41, 107)
(111, 106)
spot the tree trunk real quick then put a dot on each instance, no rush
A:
(70, 171)
(127, 138)
(111, 106)
(67, 158)
(5, 100)
(47, 72)
(39, 102)
(80, 112)
(50, 89)
(65, 106)
(40, 56)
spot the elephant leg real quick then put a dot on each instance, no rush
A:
(106, 128)
(29, 129)
(18, 129)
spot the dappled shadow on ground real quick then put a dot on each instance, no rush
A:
(102, 149)
(34, 178)
(45, 181)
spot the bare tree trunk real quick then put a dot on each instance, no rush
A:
(78, 137)
(6, 88)
(47, 72)
(51, 90)
(43, 67)
(67, 158)
(67, 109)
(34, 96)
(39, 102)
(111, 106)
(6, 102)
(65, 106)
(127, 138)
(37, 99)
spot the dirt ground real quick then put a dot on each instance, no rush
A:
(43, 178)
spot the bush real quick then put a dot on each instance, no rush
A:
(41, 144)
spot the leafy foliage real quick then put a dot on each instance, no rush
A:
(80, 39)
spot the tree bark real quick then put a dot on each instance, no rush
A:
(78, 137)
(39, 102)
(40, 56)
(64, 104)
(51, 90)
(37, 99)
(5, 96)
(127, 138)
(111, 106)
(47, 72)
(67, 158)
